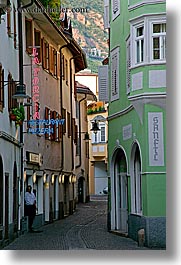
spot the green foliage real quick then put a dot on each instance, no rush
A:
(19, 113)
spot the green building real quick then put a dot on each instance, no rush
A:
(134, 84)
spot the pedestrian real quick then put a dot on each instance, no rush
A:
(30, 206)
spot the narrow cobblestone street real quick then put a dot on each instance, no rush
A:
(85, 229)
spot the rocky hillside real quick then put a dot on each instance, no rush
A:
(88, 27)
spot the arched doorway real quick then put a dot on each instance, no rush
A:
(1, 191)
(119, 192)
(136, 185)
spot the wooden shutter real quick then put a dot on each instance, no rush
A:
(76, 135)
(64, 117)
(29, 35)
(51, 60)
(46, 118)
(103, 83)
(1, 88)
(63, 67)
(14, 18)
(9, 21)
(43, 52)
(37, 41)
(69, 124)
(58, 64)
(59, 129)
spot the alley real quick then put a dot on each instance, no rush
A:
(85, 229)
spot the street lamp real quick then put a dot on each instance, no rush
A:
(20, 94)
(95, 127)
(86, 137)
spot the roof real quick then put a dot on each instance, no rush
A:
(82, 89)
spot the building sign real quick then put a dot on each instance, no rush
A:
(39, 126)
(33, 158)
(127, 132)
(155, 134)
(35, 84)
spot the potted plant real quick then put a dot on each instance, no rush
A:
(18, 115)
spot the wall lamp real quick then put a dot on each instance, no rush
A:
(20, 94)
(53, 179)
(74, 178)
(25, 176)
(95, 127)
(34, 177)
(86, 136)
(44, 178)
(61, 178)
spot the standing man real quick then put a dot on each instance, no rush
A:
(30, 206)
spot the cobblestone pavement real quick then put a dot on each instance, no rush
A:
(85, 229)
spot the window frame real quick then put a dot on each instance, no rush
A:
(152, 22)
(28, 35)
(137, 39)
(147, 22)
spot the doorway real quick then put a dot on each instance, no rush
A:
(119, 192)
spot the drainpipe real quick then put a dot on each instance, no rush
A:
(80, 138)
(61, 106)
(72, 147)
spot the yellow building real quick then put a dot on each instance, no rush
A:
(97, 111)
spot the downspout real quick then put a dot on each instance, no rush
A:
(61, 107)
(80, 138)
(72, 147)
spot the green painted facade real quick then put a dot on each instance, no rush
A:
(126, 111)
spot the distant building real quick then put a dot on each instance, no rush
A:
(98, 142)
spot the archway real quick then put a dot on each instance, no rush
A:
(136, 185)
(119, 192)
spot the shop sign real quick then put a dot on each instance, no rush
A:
(35, 84)
(38, 126)
(155, 134)
(33, 158)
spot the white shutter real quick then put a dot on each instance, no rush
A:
(103, 83)
(115, 74)
(128, 65)
(106, 14)
(115, 8)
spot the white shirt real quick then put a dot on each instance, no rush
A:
(30, 198)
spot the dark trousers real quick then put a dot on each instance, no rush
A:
(30, 211)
